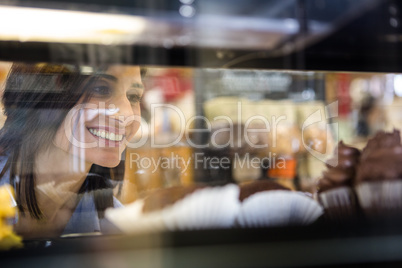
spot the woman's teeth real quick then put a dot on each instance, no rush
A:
(106, 135)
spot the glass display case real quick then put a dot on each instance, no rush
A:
(200, 133)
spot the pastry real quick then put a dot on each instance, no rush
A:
(379, 175)
(249, 189)
(335, 192)
(179, 208)
(267, 204)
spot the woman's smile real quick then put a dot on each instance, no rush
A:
(111, 136)
(104, 134)
(108, 136)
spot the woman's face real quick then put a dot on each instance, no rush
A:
(98, 129)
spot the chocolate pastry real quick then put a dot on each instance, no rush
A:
(259, 186)
(381, 159)
(341, 168)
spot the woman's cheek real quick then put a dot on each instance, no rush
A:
(135, 126)
(60, 140)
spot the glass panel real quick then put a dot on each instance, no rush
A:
(79, 139)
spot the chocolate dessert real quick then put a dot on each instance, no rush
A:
(335, 192)
(379, 176)
(265, 203)
(341, 168)
(381, 159)
(191, 207)
(162, 198)
(249, 189)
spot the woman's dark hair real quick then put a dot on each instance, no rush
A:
(36, 99)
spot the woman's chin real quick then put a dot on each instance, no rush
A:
(110, 163)
(105, 159)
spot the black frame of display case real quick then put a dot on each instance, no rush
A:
(367, 43)
(323, 244)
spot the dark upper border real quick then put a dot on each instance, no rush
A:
(368, 43)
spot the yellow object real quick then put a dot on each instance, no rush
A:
(6, 195)
(8, 239)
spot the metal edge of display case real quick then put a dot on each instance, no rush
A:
(366, 43)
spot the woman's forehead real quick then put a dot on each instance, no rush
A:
(126, 77)
(124, 72)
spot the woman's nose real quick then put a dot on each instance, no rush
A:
(125, 110)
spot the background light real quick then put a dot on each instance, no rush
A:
(36, 24)
(398, 85)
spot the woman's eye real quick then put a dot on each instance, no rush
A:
(101, 90)
(134, 98)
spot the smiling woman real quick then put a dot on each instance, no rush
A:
(65, 132)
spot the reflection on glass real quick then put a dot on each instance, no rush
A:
(80, 142)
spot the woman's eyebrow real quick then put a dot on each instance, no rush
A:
(109, 77)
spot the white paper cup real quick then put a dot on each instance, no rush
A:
(379, 198)
(213, 207)
(278, 208)
(206, 208)
(339, 203)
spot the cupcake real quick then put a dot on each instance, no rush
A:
(379, 175)
(266, 204)
(335, 192)
(179, 208)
